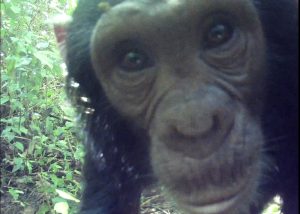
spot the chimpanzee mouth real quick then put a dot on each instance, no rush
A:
(222, 203)
(212, 208)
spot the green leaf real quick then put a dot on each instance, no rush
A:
(19, 146)
(15, 193)
(24, 61)
(29, 167)
(10, 65)
(4, 99)
(272, 209)
(18, 164)
(49, 125)
(43, 209)
(43, 58)
(66, 195)
(23, 130)
(7, 133)
(62, 207)
(15, 9)
(42, 45)
(31, 147)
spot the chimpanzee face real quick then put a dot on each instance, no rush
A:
(190, 74)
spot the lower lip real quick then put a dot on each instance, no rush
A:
(212, 208)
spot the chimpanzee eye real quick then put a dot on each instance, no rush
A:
(133, 61)
(218, 34)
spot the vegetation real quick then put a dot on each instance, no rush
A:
(40, 154)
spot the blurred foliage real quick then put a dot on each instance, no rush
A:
(40, 153)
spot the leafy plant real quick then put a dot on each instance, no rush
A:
(39, 147)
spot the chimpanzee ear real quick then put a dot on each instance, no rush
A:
(60, 24)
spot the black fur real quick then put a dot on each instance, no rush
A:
(117, 166)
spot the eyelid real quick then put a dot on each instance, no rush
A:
(122, 47)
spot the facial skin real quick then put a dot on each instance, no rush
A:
(190, 75)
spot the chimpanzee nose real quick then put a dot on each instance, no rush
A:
(198, 130)
(201, 125)
(198, 125)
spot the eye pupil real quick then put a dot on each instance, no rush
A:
(133, 61)
(133, 58)
(218, 34)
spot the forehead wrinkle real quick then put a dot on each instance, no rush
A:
(176, 9)
(138, 18)
(144, 17)
(151, 8)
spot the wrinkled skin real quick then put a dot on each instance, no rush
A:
(186, 92)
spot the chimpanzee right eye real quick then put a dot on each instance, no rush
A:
(133, 61)
(131, 56)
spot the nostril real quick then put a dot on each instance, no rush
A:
(201, 127)
(195, 138)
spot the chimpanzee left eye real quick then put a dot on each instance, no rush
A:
(218, 34)
(133, 61)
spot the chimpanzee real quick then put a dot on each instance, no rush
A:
(199, 95)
